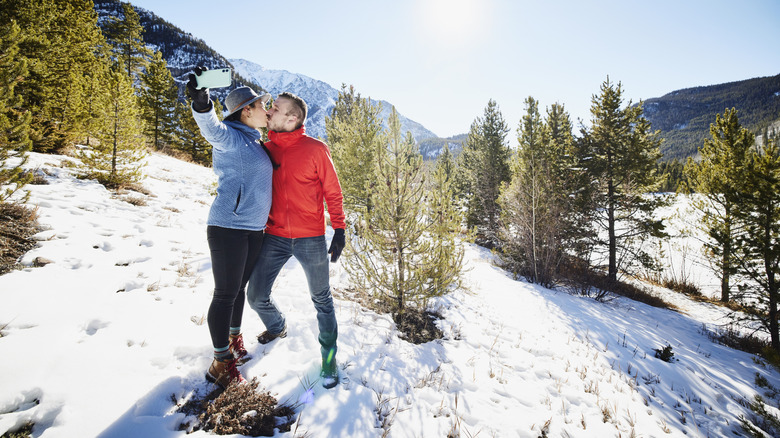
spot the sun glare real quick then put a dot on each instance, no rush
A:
(452, 22)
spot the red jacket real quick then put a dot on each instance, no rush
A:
(305, 176)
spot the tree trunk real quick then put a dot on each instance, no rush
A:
(116, 140)
(401, 276)
(612, 275)
(534, 199)
(774, 330)
(771, 287)
(726, 276)
(725, 290)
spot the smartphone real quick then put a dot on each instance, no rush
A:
(217, 78)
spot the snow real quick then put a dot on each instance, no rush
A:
(100, 342)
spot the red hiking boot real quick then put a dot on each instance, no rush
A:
(224, 372)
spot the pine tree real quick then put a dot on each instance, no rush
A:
(717, 181)
(97, 104)
(537, 211)
(673, 175)
(388, 249)
(14, 122)
(560, 144)
(623, 153)
(445, 259)
(571, 182)
(126, 38)
(59, 40)
(484, 163)
(88, 51)
(446, 162)
(116, 159)
(354, 132)
(522, 200)
(159, 100)
(759, 246)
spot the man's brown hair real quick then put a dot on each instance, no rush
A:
(299, 107)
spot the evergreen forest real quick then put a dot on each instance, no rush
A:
(684, 116)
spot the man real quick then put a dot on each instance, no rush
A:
(303, 177)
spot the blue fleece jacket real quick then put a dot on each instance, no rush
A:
(244, 173)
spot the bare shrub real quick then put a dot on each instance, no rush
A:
(682, 286)
(18, 224)
(752, 344)
(241, 410)
(38, 177)
(134, 200)
(580, 279)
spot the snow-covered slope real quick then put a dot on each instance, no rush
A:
(104, 340)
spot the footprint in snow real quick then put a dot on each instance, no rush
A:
(95, 325)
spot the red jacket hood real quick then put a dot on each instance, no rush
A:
(304, 180)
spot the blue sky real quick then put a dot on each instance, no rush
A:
(440, 61)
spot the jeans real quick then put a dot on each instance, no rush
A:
(312, 254)
(233, 255)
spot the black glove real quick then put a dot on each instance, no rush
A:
(200, 97)
(336, 244)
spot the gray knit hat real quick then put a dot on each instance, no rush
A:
(241, 97)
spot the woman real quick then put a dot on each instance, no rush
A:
(237, 216)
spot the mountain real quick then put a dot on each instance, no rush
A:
(684, 116)
(183, 53)
(320, 97)
(431, 148)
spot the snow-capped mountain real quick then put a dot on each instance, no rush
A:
(183, 53)
(320, 96)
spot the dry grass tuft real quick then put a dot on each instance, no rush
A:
(17, 225)
(241, 410)
(23, 432)
(579, 279)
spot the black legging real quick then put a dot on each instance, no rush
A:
(233, 254)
